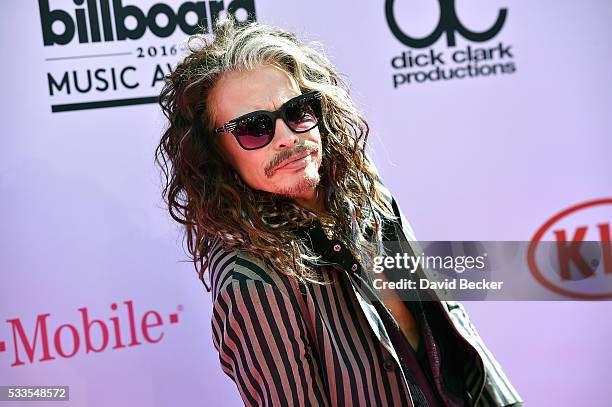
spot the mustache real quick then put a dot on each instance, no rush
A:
(304, 147)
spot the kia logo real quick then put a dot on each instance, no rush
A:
(449, 23)
(590, 259)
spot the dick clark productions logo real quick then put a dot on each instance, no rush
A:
(432, 65)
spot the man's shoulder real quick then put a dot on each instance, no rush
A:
(236, 267)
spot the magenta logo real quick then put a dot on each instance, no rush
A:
(44, 340)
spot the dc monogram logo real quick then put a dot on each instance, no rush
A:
(449, 24)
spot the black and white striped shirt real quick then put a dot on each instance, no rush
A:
(284, 343)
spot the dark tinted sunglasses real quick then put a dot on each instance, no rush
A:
(256, 129)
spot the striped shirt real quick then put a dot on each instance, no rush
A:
(283, 347)
(285, 343)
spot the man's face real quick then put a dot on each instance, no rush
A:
(266, 88)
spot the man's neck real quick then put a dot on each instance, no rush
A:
(314, 201)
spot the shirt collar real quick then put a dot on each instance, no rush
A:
(332, 251)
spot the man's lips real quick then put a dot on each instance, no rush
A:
(292, 159)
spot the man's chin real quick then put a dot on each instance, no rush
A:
(301, 188)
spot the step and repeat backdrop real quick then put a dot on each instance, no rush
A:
(490, 120)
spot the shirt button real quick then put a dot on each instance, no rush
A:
(354, 267)
(337, 247)
(389, 364)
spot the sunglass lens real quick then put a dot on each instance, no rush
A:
(254, 132)
(304, 114)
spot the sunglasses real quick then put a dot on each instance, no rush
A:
(256, 129)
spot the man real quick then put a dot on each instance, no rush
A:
(265, 164)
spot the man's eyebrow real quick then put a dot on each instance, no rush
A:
(278, 102)
(269, 108)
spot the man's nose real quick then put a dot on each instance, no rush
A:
(283, 136)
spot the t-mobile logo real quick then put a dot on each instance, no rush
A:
(44, 340)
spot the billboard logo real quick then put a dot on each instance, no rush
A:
(112, 53)
(85, 23)
(448, 24)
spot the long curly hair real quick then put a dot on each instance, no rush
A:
(208, 197)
